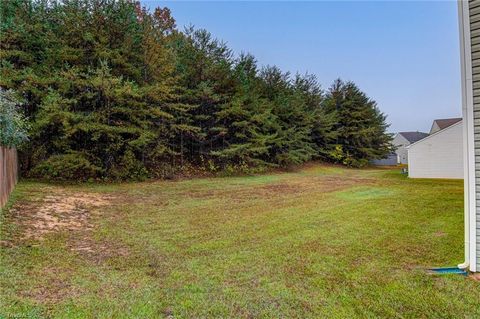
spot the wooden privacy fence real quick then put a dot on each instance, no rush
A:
(8, 172)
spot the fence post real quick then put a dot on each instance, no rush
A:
(8, 172)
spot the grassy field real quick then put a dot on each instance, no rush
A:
(319, 242)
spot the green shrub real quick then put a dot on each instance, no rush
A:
(353, 162)
(129, 168)
(13, 126)
(242, 168)
(337, 154)
(72, 166)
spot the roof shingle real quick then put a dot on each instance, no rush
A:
(412, 137)
(444, 123)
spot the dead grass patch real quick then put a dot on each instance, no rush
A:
(285, 188)
(97, 252)
(55, 288)
(59, 211)
(63, 211)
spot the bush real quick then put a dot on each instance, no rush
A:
(13, 126)
(129, 168)
(72, 166)
(242, 168)
(357, 163)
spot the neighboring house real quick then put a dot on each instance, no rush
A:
(404, 139)
(440, 155)
(441, 124)
(401, 140)
(390, 160)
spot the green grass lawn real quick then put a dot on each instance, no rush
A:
(319, 242)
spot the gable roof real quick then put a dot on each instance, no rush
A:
(412, 137)
(434, 134)
(444, 123)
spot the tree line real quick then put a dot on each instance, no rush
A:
(113, 90)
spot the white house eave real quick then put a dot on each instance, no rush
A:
(431, 135)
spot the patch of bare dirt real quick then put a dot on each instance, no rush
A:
(57, 212)
(71, 212)
(63, 211)
(67, 212)
(475, 276)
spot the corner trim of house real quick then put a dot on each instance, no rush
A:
(468, 135)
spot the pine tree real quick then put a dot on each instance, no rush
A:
(248, 125)
(113, 90)
(205, 70)
(13, 126)
(361, 127)
(293, 144)
(322, 132)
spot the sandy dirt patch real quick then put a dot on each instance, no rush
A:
(59, 211)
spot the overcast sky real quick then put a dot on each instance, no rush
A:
(405, 55)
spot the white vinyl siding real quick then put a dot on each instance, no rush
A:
(401, 144)
(435, 128)
(438, 156)
(474, 15)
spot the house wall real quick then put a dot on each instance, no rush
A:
(390, 160)
(438, 156)
(401, 143)
(434, 129)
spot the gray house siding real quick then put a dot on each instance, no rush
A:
(400, 156)
(401, 144)
(435, 128)
(402, 140)
(474, 15)
(389, 161)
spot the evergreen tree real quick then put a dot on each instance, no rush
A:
(322, 132)
(113, 90)
(360, 126)
(248, 124)
(13, 127)
(293, 144)
(205, 70)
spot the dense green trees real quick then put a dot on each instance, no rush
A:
(359, 125)
(13, 125)
(113, 90)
